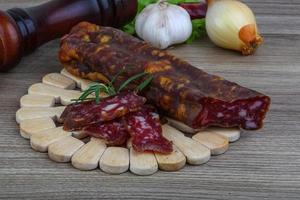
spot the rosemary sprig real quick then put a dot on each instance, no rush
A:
(131, 79)
(144, 84)
(98, 88)
(95, 88)
(110, 84)
(116, 76)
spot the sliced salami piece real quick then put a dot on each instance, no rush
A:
(146, 131)
(113, 132)
(77, 116)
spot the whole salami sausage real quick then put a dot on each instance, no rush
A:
(179, 90)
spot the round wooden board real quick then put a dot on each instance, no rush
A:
(38, 114)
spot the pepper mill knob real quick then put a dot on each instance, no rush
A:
(24, 30)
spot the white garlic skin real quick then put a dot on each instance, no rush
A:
(224, 21)
(163, 24)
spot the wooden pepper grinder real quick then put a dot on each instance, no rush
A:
(23, 30)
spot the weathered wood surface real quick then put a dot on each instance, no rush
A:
(262, 165)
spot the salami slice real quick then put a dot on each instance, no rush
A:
(77, 116)
(146, 131)
(113, 132)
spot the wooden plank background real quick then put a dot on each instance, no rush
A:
(263, 165)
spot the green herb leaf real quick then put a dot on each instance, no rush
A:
(116, 76)
(95, 88)
(97, 95)
(143, 3)
(129, 28)
(198, 30)
(85, 94)
(111, 87)
(86, 99)
(98, 88)
(144, 84)
(133, 78)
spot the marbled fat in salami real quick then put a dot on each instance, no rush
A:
(77, 116)
(113, 132)
(179, 90)
(146, 131)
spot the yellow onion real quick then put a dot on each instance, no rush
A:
(231, 24)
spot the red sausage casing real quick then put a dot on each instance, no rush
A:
(178, 90)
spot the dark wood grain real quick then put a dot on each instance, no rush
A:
(262, 165)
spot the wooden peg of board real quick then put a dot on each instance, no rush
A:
(61, 95)
(115, 160)
(85, 140)
(195, 152)
(88, 156)
(232, 134)
(63, 150)
(216, 143)
(142, 163)
(181, 126)
(71, 76)
(85, 84)
(79, 134)
(60, 81)
(129, 143)
(31, 127)
(81, 83)
(41, 141)
(171, 162)
(38, 112)
(32, 100)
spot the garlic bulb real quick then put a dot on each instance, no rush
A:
(231, 24)
(163, 24)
